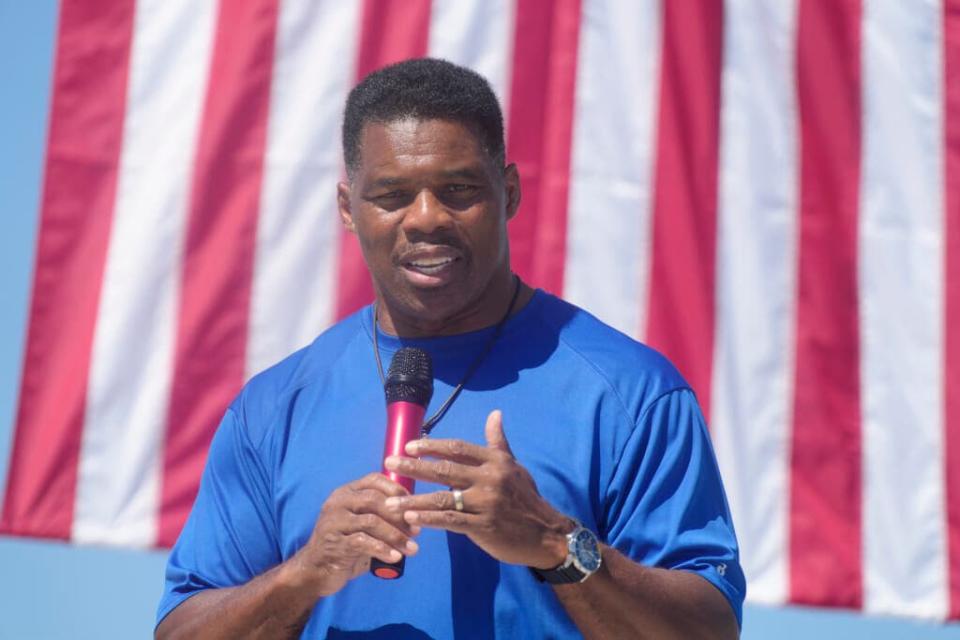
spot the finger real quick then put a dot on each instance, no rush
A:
(493, 430)
(456, 521)
(381, 531)
(362, 544)
(454, 450)
(435, 501)
(440, 471)
(369, 501)
(379, 482)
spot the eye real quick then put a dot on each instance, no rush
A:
(390, 200)
(461, 188)
(460, 194)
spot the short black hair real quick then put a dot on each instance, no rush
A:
(423, 89)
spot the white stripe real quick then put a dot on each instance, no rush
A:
(756, 284)
(609, 220)
(901, 311)
(477, 34)
(295, 270)
(120, 464)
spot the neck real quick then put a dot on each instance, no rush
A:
(486, 311)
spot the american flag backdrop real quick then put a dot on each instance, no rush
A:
(766, 190)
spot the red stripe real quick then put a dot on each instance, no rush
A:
(83, 154)
(219, 251)
(539, 140)
(391, 31)
(825, 515)
(680, 319)
(951, 30)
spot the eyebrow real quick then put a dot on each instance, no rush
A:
(386, 182)
(467, 173)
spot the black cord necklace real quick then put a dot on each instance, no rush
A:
(432, 421)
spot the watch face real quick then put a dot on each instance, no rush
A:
(585, 550)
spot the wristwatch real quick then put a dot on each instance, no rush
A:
(583, 558)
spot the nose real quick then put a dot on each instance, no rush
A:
(426, 214)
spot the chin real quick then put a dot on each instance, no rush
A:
(435, 305)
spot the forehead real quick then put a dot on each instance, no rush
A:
(412, 143)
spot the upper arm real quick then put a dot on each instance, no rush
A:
(665, 505)
(231, 535)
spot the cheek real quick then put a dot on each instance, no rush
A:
(375, 234)
(492, 240)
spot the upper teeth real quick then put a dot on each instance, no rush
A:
(432, 263)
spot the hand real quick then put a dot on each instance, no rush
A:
(355, 525)
(503, 513)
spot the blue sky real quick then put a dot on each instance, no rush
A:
(52, 590)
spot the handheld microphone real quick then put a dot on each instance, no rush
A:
(408, 389)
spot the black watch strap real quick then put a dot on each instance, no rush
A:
(583, 558)
(560, 575)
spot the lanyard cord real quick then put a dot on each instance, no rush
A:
(432, 421)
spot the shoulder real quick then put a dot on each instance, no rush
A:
(637, 373)
(270, 390)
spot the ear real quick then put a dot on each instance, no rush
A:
(343, 205)
(511, 183)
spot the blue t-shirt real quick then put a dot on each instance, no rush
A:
(608, 429)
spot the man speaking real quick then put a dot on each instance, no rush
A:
(566, 486)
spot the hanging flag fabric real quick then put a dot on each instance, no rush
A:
(768, 192)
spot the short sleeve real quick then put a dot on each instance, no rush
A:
(230, 536)
(665, 505)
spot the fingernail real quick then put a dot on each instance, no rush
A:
(412, 447)
(411, 516)
(412, 547)
(393, 503)
(395, 555)
(392, 462)
(415, 530)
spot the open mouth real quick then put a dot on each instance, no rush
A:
(430, 266)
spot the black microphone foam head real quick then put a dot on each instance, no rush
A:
(410, 377)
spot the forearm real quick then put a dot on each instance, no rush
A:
(276, 604)
(626, 600)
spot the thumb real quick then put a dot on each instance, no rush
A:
(494, 432)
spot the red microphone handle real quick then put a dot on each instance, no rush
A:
(404, 420)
